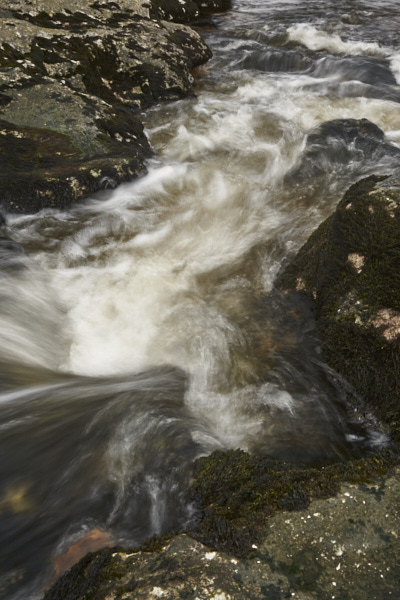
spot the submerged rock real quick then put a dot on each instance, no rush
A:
(341, 146)
(72, 77)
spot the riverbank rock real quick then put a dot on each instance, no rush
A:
(73, 77)
(344, 547)
(349, 269)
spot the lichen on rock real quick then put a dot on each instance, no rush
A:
(72, 77)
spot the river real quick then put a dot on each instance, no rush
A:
(140, 330)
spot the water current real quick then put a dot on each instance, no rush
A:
(141, 329)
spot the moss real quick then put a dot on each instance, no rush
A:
(155, 543)
(238, 492)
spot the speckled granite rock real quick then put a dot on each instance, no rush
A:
(72, 76)
(346, 547)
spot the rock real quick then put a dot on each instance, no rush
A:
(180, 11)
(350, 269)
(186, 11)
(72, 77)
(344, 547)
(210, 6)
(343, 146)
(238, 492)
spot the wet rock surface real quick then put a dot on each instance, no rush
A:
(73, 78)
(352, 145)
(344, 547)
(349, 270)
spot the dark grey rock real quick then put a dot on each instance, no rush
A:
(72, 77)
(349, 270)
(343, 146)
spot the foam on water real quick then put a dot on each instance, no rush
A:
(395, 66)
(316, 39)
(176, 269)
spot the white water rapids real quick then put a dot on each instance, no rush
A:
(138, 330)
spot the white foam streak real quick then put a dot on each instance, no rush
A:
(395, 66)
(237, 418)
(118, 310)
(31, 321)
(315, 39)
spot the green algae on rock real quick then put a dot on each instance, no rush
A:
(238, 492)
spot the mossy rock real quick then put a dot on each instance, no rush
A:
(238, 492)
(346, 546)
(349, 267)
(179, 11)
(46, 167)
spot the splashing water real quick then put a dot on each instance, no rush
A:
(141, 330)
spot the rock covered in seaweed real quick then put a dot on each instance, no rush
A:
(345, 547)
(349, 268)
(72, 77)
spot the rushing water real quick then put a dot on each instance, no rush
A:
(140, 330)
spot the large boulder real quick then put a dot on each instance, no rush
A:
(73, 75)
(349, 268)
